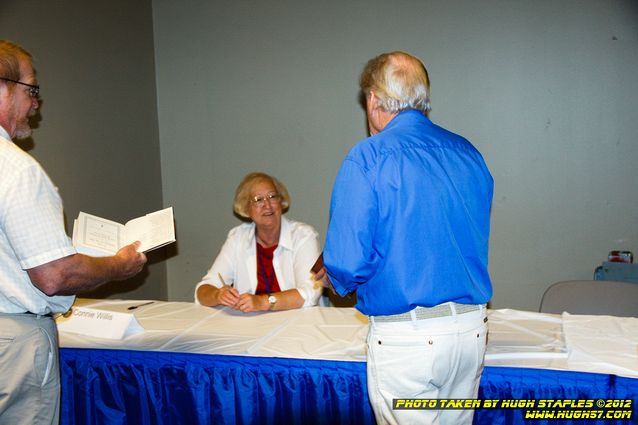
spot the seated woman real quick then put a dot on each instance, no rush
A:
(264, 264)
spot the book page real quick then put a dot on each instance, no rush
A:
(81, 249)
(97, 233)
(153, 230)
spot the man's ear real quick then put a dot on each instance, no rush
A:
(372, 102)
(372, 112)
(372, 106)
(378, 118)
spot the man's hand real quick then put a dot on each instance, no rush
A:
(321, 278)
(130, 261)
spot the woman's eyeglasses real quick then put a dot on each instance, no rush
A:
(260, 200)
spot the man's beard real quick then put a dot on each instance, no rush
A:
(23, 132)
(23, 129)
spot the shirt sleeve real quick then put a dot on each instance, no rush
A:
(34, 221)
(305, 256)
(224, 264)
(349, 255)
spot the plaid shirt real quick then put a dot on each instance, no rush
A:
(31, 231)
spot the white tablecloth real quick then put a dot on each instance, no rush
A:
(601, 344)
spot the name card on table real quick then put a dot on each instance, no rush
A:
(99, 323)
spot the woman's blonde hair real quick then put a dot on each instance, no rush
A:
(241, 203)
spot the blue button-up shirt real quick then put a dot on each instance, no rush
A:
(410, 219)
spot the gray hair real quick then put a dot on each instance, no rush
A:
(398, 80)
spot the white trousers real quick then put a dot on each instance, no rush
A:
(29, 370)
(438, 358)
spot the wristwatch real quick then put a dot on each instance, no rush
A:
(272, 300)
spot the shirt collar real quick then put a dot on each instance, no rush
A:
(3, 133)
(405, 115)
(285, 238)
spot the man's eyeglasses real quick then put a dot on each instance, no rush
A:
(260, 200)
(34, 90)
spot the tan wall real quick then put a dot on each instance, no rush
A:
(545, 89)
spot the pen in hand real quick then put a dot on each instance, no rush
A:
(232, 293)
(222, 280)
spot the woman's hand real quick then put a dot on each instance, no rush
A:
(227, 295)
(248, 303)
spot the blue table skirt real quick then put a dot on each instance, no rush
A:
(147, 387)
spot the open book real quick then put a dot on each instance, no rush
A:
(100, 237)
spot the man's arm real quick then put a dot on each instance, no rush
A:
(80, 273)
(349, 256)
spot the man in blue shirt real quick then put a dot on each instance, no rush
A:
(409, 227)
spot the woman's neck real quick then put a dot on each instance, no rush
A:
(267, 237)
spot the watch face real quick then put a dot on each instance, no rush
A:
(272, 299)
